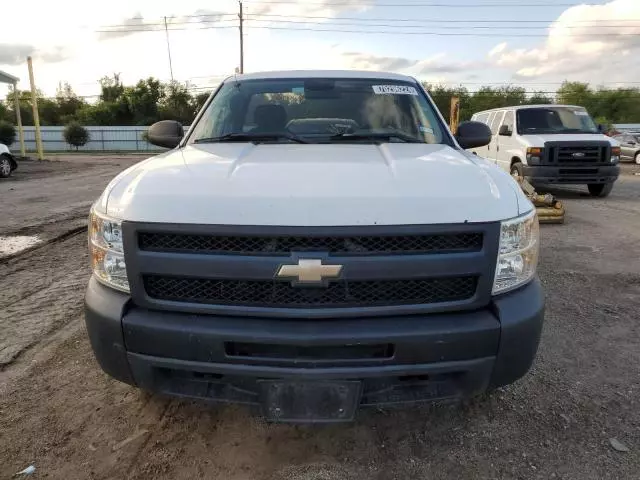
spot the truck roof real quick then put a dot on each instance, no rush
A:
(323, 74)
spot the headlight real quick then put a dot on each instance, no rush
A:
(518, 253)
(534, 155)
(106, 252)
(615, 154)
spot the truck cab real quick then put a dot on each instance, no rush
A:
(317, 242)
(551, 145)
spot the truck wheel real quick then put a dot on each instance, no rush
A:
(517, 171)
(600, 189)
(5, 166)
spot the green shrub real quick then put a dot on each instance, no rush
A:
(7, 133)
(76, 135)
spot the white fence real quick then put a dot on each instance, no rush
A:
(120, 139)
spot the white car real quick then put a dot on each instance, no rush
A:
(317, 241)
(551, 144)
(7, 163)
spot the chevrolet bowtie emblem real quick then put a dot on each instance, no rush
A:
(309, 271)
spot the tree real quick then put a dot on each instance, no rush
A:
(111, 88)
(76, 135)
(576, 93)
(143, 100)
(198, 101)
(539, 98)
(176, 103)
(4, 112)
(69, 104)
(7, 133)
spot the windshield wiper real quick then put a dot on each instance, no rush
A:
(252, 137)
(380, 136)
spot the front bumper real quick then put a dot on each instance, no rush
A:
(398, 359)
(579, 175)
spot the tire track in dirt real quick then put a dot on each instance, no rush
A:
(40, 292)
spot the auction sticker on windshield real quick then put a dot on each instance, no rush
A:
(394, 90)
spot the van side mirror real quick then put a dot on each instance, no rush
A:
(166, 133)
(505, 131)
(473, 134)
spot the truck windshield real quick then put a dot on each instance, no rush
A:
(319, 110)
(554, 120)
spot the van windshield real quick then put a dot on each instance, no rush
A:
(556, 120)
(319, 110)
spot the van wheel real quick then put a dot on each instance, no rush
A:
(5, 166)
(517, 172)
(600, 189)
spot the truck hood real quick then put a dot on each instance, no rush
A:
(321, 185)
(538, 140)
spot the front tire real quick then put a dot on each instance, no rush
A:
(600, 189)
(5, 166)
(637, 158)
(517, 171)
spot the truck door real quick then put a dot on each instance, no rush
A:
(493, 146)
(506, 140)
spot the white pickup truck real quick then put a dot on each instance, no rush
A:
(316, 242)
(7, 163)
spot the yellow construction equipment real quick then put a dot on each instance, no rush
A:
(550, 210)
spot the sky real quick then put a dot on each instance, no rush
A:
(533, 43)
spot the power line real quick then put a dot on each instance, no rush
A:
(382, 32)
(132, 30)
(424, 4)
(446, 27)
(378, 19)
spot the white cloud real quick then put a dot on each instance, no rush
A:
(83, 53)
(587, 42)
(498, 49)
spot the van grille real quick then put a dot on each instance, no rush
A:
(578, 153)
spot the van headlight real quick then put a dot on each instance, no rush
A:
(106, 251)
(615, 154)
(518, 252)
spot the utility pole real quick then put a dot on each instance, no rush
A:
(16, 99)
(166, 31)
(241, 39)
(34, 105)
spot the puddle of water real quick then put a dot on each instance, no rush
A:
(17, 243)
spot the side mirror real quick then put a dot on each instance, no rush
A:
(601, 128)
(166, 133)
(473, 134)
(505, 131)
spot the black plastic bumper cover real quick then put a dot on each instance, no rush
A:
(579, 175)
(445, 355)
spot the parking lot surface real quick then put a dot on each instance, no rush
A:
(576, 415)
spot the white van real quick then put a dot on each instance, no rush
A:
(551, 144)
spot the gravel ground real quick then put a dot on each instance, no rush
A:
(59, 412)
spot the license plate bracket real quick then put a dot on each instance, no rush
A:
(315, 402)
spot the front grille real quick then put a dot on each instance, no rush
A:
(577, 154)
(336, 245)
(275, 294)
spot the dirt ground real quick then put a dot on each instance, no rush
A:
(59, 412)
